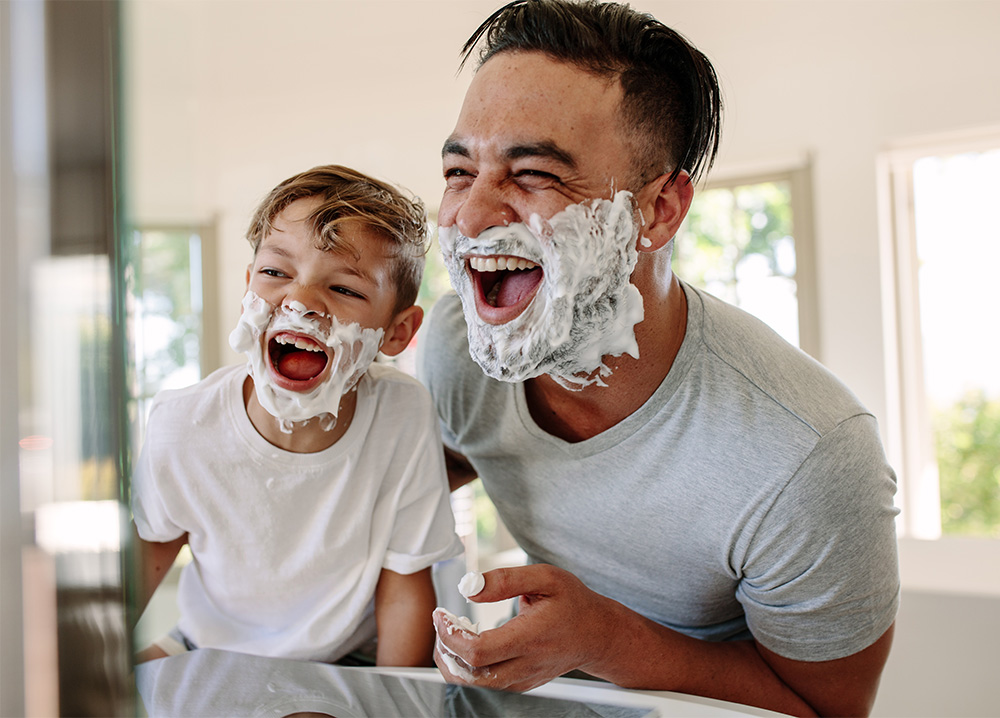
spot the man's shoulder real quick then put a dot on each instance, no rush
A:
(443, 347)
(446, 320)
(753, 353)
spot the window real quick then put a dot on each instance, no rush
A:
(168, 310)
(944, 247)
(746, 240)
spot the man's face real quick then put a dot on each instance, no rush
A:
(313, 320)
(538, 243)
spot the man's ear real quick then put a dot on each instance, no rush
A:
(402, 330)
(664, 204)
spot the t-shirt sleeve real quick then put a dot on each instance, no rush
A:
(820, 575)
(424, 525)
(441, 354)
(150, 506)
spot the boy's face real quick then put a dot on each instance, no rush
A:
(289, 272)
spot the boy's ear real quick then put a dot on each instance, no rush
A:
(402, 330)
(249, 267)
(664, 204)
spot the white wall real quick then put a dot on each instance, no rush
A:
(225, 99)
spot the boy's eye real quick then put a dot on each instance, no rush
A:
(271, 272)
(346, 292)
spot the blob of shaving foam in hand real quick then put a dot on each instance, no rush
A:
(456, 665)
(471, 584)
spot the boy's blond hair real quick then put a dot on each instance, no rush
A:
(347, 194)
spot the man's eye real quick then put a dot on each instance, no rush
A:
(536, 178)
(457, 178)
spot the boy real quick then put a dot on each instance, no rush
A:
(309, 484)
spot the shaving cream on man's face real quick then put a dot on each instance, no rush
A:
(302, 362)
(579, 305)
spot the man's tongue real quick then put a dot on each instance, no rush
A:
(300, 365)
(515, 286)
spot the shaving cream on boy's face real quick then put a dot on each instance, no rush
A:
(302, 362)
(572, 297)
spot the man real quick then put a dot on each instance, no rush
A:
(705, 508)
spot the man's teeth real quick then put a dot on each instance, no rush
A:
(500, 264)
(298, 343)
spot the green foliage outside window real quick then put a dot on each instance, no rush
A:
(725, 226)
(967, 438)
(170, 307)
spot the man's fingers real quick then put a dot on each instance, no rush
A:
(461, 638)
(511, 582)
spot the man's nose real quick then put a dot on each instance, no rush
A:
(483, 206)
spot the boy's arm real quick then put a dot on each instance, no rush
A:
(155, 559)
(404, 604)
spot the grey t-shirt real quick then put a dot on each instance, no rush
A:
(749, 495)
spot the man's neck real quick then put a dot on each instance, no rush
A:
(579, 415)
(306, 437)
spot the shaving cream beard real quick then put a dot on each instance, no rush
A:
(353, 348)
(585, 309)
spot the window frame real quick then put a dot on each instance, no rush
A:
(798, 174)
(929, 561)
(208, 358)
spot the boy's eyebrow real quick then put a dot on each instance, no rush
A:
(545, 149)
(348, 268)
(354, 271)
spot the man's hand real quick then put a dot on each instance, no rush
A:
(561, 626)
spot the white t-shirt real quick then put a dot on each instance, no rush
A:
(288, 547)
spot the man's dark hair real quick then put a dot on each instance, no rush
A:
(672, 107)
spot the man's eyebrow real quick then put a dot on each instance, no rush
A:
(454, 147)
(545, 149)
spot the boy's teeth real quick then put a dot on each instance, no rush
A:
(298, 343)
(502, 264)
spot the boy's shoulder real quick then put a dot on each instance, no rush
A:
(386, 383)
(384, 374)
(203, 395)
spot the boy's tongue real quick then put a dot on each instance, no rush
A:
(517, 285)
(301, 365)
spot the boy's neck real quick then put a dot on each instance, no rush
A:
(306, 437)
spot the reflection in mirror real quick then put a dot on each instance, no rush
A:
(63, 390)
(209, 683)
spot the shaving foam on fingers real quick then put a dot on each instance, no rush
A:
(471, 584)
(457, 623)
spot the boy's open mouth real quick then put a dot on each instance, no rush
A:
(296, 357)
(505, 285)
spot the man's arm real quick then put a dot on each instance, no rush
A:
(460, 471)
(562, 626)
(403, 607)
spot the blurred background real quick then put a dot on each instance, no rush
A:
(852, 208)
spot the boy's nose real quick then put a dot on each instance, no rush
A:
(303, 300)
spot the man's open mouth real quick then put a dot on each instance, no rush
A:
(296, 357)
(505, 285)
